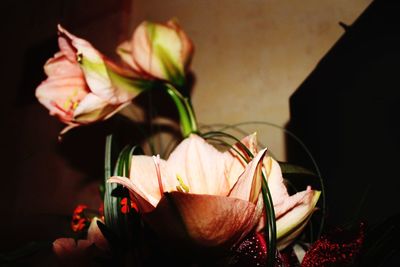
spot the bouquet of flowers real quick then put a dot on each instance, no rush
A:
(217, 199)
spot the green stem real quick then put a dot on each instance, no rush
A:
(186, 114)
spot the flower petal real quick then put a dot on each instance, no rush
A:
(203, 220)
(276, 185)
(104, 78)
(295, 218)
(124, 50)
(95, 236)
(93, 108)
(248, 186)
(144, 201)
(162, 50)
(200, 166)
(235, 158)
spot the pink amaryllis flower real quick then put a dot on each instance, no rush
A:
(202, 196)
(162, 51)
(82, 85)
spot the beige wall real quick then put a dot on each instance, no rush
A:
(251, 55)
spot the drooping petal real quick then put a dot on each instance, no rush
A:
(205, 220)
(200, 166)
(248, 186)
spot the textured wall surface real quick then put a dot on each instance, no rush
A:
(251, 55)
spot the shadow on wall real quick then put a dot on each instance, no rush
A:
(347, 114)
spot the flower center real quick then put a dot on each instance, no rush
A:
(71, 102)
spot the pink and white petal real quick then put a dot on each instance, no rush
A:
(94, 68)
(290, 202)
(187, 45)
(296, 216)
(200, 166)
(168, 39)
(60, 65)
(81, 46)
(124, 50)
(276, 186)
(145, 202)
(143, 173)
(143, 54)
(66, 48)
(248, 186)
(234, 162)
(55, 92)
(89, 104)
(203, 220)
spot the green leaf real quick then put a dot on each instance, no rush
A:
(115, 220)
(288, 168)
(111, 204)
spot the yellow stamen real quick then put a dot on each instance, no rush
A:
(70, 103)
(181, 187)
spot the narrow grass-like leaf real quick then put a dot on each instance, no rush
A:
(288, 168)
(110, 203)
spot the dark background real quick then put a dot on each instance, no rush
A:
(347, 113)
(42, 179)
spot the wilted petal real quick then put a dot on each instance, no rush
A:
(205, 220)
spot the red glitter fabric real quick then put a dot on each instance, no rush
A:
(340, 248)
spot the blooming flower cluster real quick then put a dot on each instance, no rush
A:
(83, 86)
(198, 198)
